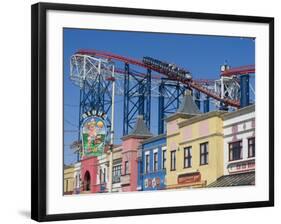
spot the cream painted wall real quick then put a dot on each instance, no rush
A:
(68, 178)
(214, 136)
(77, 174)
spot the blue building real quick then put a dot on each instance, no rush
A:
(152, 164)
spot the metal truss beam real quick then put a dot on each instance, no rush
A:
(137, 98)
(244, 91)
(168, 100)
(197, 98)
(95, 97)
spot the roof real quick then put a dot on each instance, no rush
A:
(208, 115)
(242, 111)
(155, 138)
(187, 108)
(140, 130)
(240, 179)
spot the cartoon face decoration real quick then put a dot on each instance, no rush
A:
(93, 133)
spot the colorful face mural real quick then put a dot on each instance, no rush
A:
(93, 136)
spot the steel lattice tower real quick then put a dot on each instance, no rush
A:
(137, 98)
(168, 100)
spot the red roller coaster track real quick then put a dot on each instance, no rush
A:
(243, 70)
(188, 82)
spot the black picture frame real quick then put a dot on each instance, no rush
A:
(39, 121)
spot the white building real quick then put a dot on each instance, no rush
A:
(77, 178)
(102, 172)
(239, 141)
(116, 169)
(239, 148)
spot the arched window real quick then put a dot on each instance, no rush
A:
(87, 181)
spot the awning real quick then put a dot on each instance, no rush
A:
(240, 179)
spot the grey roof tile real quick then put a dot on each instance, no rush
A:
(234, 180)
(140, 129)
(188, 106)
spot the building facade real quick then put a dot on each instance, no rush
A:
(89, 175)
(239, 141)
(102, 173)
(194, 146)
(77, 178)
(130, 147)
(68, 177)
(116, 169)
(214, 149)
(94, 173)
(239, 148)
(152, 164)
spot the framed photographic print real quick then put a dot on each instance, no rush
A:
(139, 111)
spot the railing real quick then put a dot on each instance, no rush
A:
(116, 179)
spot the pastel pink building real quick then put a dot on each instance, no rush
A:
(94, 173)
(130, 147)
(89, 174)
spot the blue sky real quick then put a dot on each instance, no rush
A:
(201, 55)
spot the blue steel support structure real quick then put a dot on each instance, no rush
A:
(244, 91)
(147, 98)
(95, 96)
(206, 104)
(161, 113)
(125, 103)
(197, 98)
(137, 98)
(141, 99)
(168, 100)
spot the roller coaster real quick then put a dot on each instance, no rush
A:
(95, 72)
(171, 70)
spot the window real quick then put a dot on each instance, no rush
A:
(164, 155)
(204, 151)
(235, 150)
(251, 147)
(187, 157)
(155, 161)
(104, 175)
(100, 175)
(126, 167)
(116, 173)
(117, 170)
(146, 163)
(173, 160)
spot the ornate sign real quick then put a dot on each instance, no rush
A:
(189, 178)
(93, 135)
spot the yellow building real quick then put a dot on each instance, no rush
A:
(195, 146)
(68, 179)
